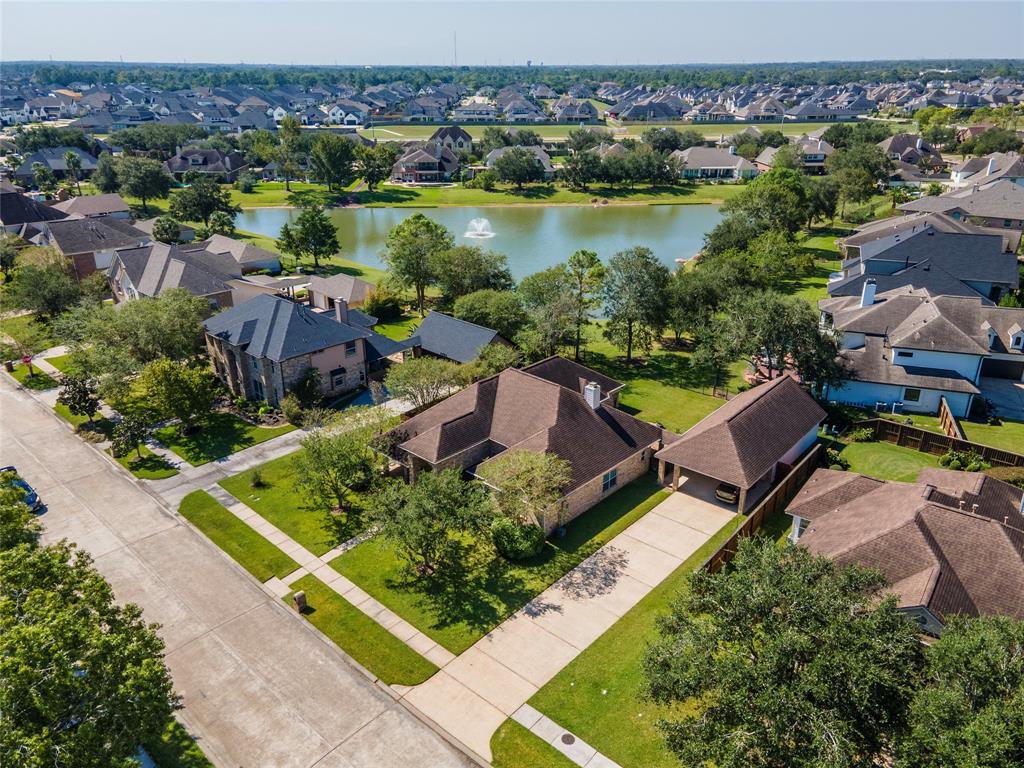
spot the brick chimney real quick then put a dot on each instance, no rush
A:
(341, 310)
(592, 394)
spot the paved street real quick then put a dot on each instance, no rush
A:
(260, 687)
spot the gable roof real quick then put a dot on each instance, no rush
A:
(449, 337)
(571, 375)
(1000, 199)
(85, 235)
(746, 437)
(16, 208)
(341, 286)
(241, 251)
(159, 267)
(94, 205)
(279, 329)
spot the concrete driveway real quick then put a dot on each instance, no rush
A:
(260, 687)
(505, 668)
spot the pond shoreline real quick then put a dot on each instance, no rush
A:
(609, 204)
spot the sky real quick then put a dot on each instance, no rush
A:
(507, 32)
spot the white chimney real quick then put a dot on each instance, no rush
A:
(991, 166)
(867, 293)
(341, 310)
(920, 142)
(592, 394)
(732, 150)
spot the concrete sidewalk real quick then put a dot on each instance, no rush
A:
(498, 674)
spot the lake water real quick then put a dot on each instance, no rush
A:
(532, 237)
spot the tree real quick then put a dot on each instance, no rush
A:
(822, 199)
(501, 311)
(775, 258)
(44, 179)
(968, 711)
(664, 140)
(10, 244)
(104, 178)
(992, 140)
(178, 389)
(423, 380)
(374, 164)
(582, 139)
(693, 297)
(129, 435)
(143, 178)
(580, 169)
(528, 485)
(337, 461)
(495, 137)
(494, 358)
(74, 165)
(784, 660)
(200, 200)
(526, 137)
(78, 395)
(330, 159)
(410, 249)
(46, 286)
(221, 223)
(166, 230)
(634, 299)
(586, 274)
(289, 135)
(18, 523)
(774, 200)
(427, 520)
(547, 297)
(733, 233)
(84, 678)
(464, 269)
(518, 166)
(858, 169)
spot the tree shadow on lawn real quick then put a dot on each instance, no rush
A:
(215, 437)
(329, 269)
(667, 367)
(339, 528)
(150, 463)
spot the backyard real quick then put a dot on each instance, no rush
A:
(886, 461)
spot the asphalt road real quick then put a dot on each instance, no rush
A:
(259, 686)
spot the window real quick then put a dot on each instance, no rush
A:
(1007, 222)
(911, 395)
(609, 480)
(350, 348)
(901, 353)
(1018, 341)
(337, 378)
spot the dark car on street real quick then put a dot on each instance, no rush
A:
(31, 497)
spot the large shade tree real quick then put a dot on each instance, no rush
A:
(635, 299)
(410, 250)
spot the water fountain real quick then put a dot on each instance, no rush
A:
(479, 229)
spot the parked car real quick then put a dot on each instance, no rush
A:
(727, 493)
(31, 497)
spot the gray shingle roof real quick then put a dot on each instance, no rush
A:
(449, 337)
(156, 268)
(86, 235)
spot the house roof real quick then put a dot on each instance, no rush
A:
(341, 286)
(1001, 199)
(146, 226)
(915, 224)
(746, 437)
(53, 158)
(94, 205)
(279, 329)
(85, 235)
(449, 337)
(453, 132)
(933, 553)
(241, 251)
(706, 157)
(210, 161)
(516, 410)
(16, 208)
(572, 375)
(156, 268)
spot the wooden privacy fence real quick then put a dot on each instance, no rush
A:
(948, 421)
(932, 442)
(772, 504)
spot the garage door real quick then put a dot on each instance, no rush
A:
(1003, 369)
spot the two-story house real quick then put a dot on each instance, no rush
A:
(428, 163)
(210, 162)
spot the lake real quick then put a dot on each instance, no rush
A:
(532, 237)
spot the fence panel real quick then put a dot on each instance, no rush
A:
(932, 442)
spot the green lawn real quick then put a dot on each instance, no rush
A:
(100, 423)
(272, 194)
(331, 266)
(24, 325)
(176, 749)
(149, 467)
(1007, 434)
(821, 244)
(61, 362)
(361, 637)
(887, 461)
(285, 504)
(515, 747)
(597, 696)
(399, 329)
(219, 434)
(246, 547)
(458, 607)
(35, 380)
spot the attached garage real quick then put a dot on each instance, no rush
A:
(1003, 369)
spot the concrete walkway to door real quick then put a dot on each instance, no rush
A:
(475, 692)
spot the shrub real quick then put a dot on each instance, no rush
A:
(970, 461)
(256, 479)
(862, 435)
(516, 541)
(292, 408)
(955, 464)
(835, 459)
(383, 304)
(944, 460)
(246, 183)
(484, 180)
(264, 409)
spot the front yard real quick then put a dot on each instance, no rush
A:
(458, 607)
(218, 435)
(37, 379)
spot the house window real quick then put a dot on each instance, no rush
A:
(901, 353)
(337, 378)
(911, 395)
(1007, 222)
(350, 348)
(1018, 341)
(609, 480)
(257, 389)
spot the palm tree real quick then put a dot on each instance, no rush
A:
(74, 165)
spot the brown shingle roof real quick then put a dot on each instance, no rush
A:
(572, 375)
(747, 436)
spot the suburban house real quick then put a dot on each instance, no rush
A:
(951, 543)
(89, 244)
(453, 138)
(149, 270)
(226, 166)
(747, 441)
(707, 163)
(53, 159)
(543, 158)
(569, 110)
(813, 153)
(909, 148)
(324, 292)
(445, 336)
(532, 410)
(988, 168)
(96, 206)
(428, 163)
(876, 236)
(999, 204)
(263, 347)
(249, 257)
(19, 212)
(908, 348)
(475, 111)
(928, 257)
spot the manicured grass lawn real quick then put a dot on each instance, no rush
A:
(361, 637)
(515, 747)
(246, 547)
(331, 266)
(149, 467)
(61, 362)
(597, 696)
(273, 193)
(22, 325)
(456, 608)
(887, 461)
(821, 244)
(399, 329)
(219, 435)
(282, 502)
(35, 380)
(176, 749)
(1007, 434)
(99, 423)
